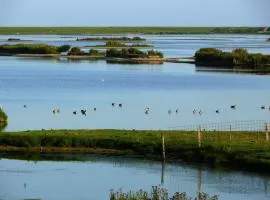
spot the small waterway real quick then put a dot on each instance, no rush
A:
(92, 178)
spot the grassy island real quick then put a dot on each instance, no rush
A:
(32, 49)
(238, 58)
(134, 56)
(242, 150)
(121, 39)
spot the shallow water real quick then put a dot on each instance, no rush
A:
(96, 176)
(44, 85)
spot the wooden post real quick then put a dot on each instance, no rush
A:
(199, 137)
(163, 146)
(162, 172)
(230, 133)
(266, 131)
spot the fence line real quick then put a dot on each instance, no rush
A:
(247, 125)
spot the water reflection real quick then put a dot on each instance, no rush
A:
(104, 173)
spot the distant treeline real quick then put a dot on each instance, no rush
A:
(237, 30)
(127, 39)
(129, 30)
(237, 58)
(32, 49)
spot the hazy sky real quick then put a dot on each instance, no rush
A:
(134, 12)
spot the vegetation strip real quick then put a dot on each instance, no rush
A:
(245, 150)
(131, 30)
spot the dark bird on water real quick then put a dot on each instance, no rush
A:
(177, 111)
(233, 106)
(169, 111)
(95, 109)
(262, 107)
(217, 111)
(74, 112)
(24, 106)
(120, 105)
(113, 104)
(83, 112)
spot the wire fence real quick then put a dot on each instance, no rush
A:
(254, 131)
(248, 125)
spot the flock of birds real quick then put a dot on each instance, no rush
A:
(147, 109)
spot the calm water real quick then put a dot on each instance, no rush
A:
(94, 178)
(44, 85)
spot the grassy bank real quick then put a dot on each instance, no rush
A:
(238, 58)
(131, 30)
(247, 150)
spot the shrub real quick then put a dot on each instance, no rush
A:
(76, 51)
(63, 48)
(3, 116)
(114, 44)
(93, 52)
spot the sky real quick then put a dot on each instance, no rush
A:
(134, 12)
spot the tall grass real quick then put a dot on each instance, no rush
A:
(157, 193)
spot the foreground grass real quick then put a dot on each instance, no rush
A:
(157, 193)
(245, 150)
(132, 30)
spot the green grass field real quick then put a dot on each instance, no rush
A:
(126, 30)
(248, 150)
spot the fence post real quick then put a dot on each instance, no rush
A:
(199, 137)
(163, 146)
(230, 133)
(266, 131)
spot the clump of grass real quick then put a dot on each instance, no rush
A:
(157, 193)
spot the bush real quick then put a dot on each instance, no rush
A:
(93, 52)
(3, 116)
(63, 48)
(114, 44)
(76, 51)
